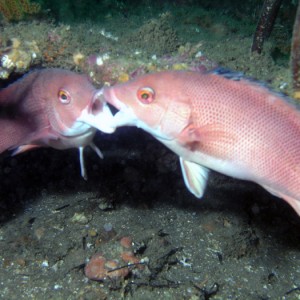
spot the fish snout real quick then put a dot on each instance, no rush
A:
(109, 96)
(96, 106)
(98, 115)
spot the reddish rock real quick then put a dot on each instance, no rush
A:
(99, 269)
(126, 242)
(95, 268)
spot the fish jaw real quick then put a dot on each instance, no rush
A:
(98, 115)
(103, 119)
(79, 133)
(127, 117)
(82, 139)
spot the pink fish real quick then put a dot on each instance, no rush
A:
(51, 107)
(220, 121)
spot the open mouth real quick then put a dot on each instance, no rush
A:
(96, 106)
(98, 115)
(122, 114)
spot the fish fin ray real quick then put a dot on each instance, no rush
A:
(97, 150)
(195, 177)
(82, 164)
(24, 148)
(83, 171)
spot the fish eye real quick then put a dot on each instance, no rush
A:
(146, 95)
(64, 97)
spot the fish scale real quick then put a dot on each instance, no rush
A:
(50, 108)
(236, 126)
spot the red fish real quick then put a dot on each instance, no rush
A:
(51, 107)
(220, 121)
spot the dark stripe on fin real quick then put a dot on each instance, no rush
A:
(228, 74)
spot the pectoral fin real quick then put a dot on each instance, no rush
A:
(24, 148)
(81, 158)
(195, 177)
(210, 138)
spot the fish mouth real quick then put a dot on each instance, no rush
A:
(98, 114)
(109, 96)
(126, 116)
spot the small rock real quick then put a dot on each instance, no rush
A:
(80, 218)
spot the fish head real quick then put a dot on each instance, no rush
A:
(71, 103)
(154, 102)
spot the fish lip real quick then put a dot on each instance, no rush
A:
(126, 117)
(98, 115)
(109, 96)
(97, 103)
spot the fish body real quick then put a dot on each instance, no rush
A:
(217, 120)
(50, 108)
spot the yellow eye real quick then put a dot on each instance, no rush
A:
(146, 95)
(64, 97)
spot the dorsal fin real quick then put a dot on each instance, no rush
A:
(227, 73)
(240, 76)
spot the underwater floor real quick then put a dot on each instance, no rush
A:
(238, 242)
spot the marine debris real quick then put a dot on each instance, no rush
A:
(265, 24)
(295, 56)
